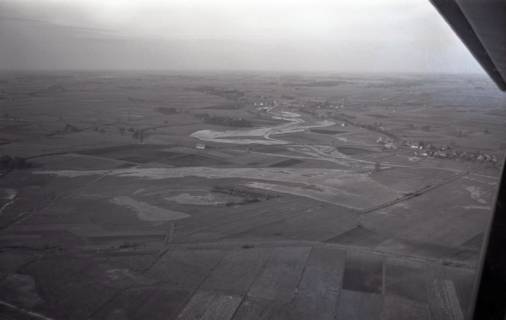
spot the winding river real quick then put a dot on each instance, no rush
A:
(263, 135)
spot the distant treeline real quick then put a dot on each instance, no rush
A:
(315, 84)
(53, 89)
(167, 110)
(224, 121)
(231, 94)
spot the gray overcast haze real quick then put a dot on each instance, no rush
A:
(269, 35)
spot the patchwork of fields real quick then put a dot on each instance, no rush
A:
(245, 196)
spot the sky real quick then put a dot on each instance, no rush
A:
(231, 35)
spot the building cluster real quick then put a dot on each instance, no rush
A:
(387, 143)
(325, 104)
(423, 149)
(262, 103)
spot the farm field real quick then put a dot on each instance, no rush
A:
(245, 195)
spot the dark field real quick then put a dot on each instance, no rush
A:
(244, 196)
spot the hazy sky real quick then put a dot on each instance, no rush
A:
(285, 35)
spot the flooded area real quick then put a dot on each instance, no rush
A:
(204, 199)
(148, 212)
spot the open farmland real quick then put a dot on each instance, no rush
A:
(245, 196)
